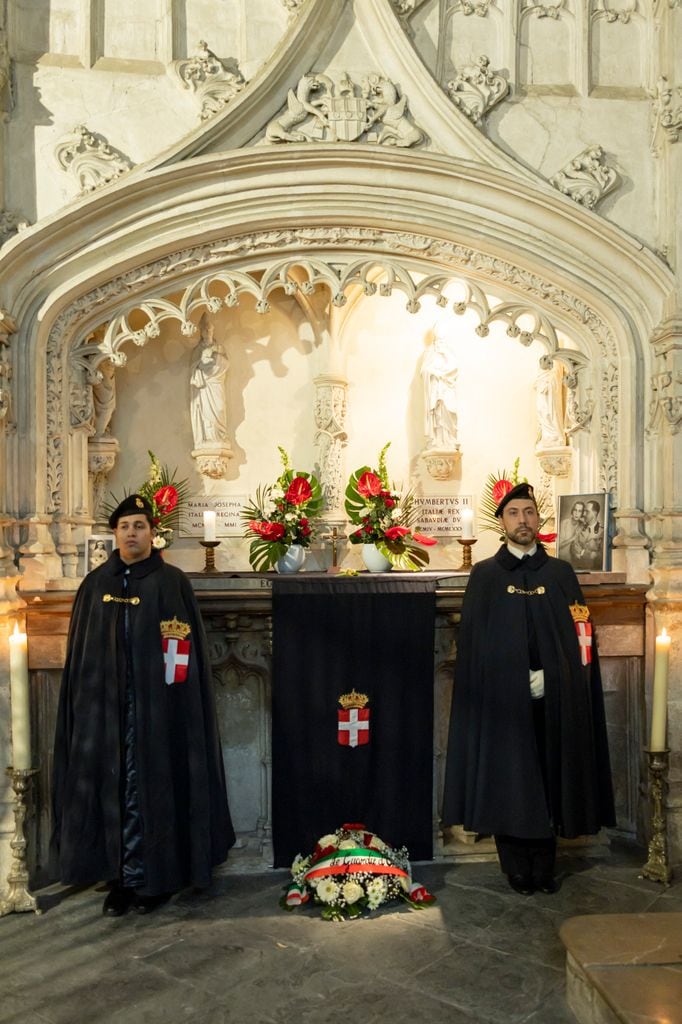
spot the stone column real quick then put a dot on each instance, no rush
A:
(330, 437)
(665, 405)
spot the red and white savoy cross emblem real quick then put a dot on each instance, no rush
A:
(176, 648)
(584, 631)
(353, 720)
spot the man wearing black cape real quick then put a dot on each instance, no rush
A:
(527, 756)
(139, 795)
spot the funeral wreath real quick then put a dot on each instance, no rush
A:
(351, 871)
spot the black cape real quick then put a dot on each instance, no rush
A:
(494, 782)
(186, 826)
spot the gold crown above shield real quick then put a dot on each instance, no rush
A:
(175, 628)
(580, 612)
(353, 700)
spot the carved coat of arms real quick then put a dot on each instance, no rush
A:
(320, 110)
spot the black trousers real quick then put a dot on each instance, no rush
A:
(531, 857)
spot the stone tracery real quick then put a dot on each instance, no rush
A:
(223, 287)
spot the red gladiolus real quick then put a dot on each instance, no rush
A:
(369, 485)
(299, 491)
(421, 538)
(546, 538)
(166, 499)
(501, 488)
(268, 531)
(396, 532)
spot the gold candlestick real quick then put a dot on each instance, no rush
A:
(657, 867)
(467, 544)
(19, 897)
(210, 546)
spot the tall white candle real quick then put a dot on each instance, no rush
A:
(19, 699)
(209, 524)
(467, 518)
(659, 700)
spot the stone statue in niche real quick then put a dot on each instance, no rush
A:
(104, 398)
(208, 403)
(439, 376)
(439, 379)
(549, 406)
(207, 380)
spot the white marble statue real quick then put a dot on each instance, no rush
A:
(207, 380)
(549, 406)
(439, 376)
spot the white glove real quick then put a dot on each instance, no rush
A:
(537, 683)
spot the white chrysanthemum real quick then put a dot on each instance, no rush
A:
(300, 865)
(158, 542)
(374, 900)
(352, 892)
(327, 890)
(376, 887)
(377, 844)
(289, 516)
(348, 844)
(396, 513)
(276, 492)
(329, 840)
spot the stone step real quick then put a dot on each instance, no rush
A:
(624, 968)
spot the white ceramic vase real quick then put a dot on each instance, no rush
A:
(374, 560)
(292, 560)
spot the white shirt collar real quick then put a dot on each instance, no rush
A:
(519, 552)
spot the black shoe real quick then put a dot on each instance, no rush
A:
(118, 901)
(547, 884)
(522, 884)
(146, 904)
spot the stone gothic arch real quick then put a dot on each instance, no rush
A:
(429, 219)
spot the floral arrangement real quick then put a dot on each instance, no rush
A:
(384, 518)
(281, 515)
(165, 494)
(351, 871)
(501, 483)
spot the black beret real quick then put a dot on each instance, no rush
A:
(523, 490)
(132, 504)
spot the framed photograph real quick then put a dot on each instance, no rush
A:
(583, 531)
(98, 548)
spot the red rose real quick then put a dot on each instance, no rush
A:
(500, 488)
(299, 491)
(389, 503)
(395, 532)
(369, 485)
(166, 499)
(421, 538)
(367, 527)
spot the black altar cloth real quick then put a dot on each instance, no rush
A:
(332, 636)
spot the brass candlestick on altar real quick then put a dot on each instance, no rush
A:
(210, 546)
(467, 544)
(19, 897)
(657, 867)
